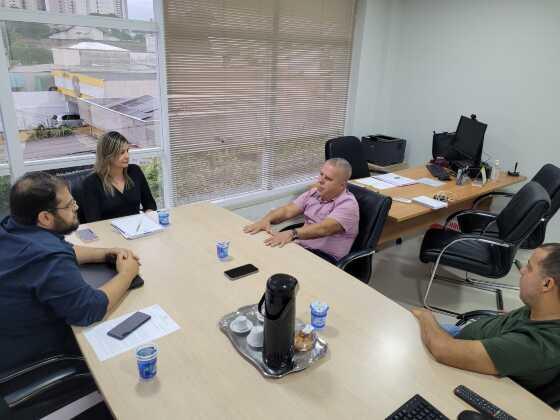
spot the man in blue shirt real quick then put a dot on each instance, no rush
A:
(41, 289)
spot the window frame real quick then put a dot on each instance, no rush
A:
(16, 165)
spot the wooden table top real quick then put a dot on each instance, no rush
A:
(461, 193)
(376, 360)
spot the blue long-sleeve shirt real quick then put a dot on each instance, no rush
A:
(42, 292)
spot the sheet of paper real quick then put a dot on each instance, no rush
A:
(105, 347)
(396, 180)
(375, 183)
(136, 225)
(430, 182)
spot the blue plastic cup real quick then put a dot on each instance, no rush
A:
(146, 357)
(222, 249)
(318, 314)
(163, 216)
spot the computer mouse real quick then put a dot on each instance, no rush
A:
(472, 415)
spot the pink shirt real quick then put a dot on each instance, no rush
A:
(344, 209)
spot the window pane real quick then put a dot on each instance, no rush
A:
(152, 170)
(73, 84)
(4, 196)
(150, 166)
(3, 151)
(125, 9)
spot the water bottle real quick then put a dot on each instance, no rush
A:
(496, 170)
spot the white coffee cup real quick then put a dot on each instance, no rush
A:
(256, 336)
(241, 324)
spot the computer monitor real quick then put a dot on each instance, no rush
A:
(469, 139)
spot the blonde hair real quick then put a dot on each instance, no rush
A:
(109, 148)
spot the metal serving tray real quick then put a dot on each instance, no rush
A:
(302, 360)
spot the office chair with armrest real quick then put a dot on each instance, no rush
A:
(75, 181)
(549, 393)
(351, 149)
(549, 177)
(374, 209)
(488, 256)
(42, 387)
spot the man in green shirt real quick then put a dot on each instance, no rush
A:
(523, 344)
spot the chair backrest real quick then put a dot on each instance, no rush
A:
(523, 213)
(75, 181)
(550, 393)
(349, 148)
(549, 177)
(374, 209)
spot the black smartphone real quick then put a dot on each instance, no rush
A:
(242, 271)
(130, 324)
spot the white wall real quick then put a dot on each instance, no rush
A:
(423, 63)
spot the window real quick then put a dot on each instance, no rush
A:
(70, 85)
(4, 174)
(124, 9)
(152, 171)
(255, 89)
(4, 196)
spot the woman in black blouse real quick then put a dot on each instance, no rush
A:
(115, 188)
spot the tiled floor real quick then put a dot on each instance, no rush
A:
(401, 276)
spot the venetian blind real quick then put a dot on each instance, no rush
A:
(255, 89)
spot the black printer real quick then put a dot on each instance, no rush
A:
(383, 150)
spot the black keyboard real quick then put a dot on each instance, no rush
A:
(417, 408)
(439, 172)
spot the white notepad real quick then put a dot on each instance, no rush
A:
(374, 183)
(429, 202)
(135, 226)
(396, 180)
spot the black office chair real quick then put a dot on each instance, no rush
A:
(42, 387)
(549, 393)
(374, 209)
(488, 256)
(75, 181)
(349, 148)
(549, 177)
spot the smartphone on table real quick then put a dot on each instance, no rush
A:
(241, 271)
(129, 325)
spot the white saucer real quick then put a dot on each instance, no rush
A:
(240, 329)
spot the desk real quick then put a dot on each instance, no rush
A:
(405, 219)
(376, 359)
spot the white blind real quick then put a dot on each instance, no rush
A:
(255, 89)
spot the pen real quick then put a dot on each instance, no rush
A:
(139, 223)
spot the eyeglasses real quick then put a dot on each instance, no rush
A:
(71, 204)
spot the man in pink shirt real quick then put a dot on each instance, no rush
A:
(330, 211)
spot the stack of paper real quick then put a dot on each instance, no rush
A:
(429, 202)
(135, 226)
(396, 180)
(374, 183)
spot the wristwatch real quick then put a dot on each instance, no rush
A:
(294, 234)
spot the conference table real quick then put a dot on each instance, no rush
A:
(408, 219)
(375, 361)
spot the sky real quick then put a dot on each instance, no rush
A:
(141, 9)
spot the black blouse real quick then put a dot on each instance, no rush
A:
(98, 205)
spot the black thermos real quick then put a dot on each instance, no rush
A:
(279, 319)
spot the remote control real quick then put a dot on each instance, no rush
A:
(481, 404)
(402, 200)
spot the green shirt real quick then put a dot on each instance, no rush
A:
(527, 351)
